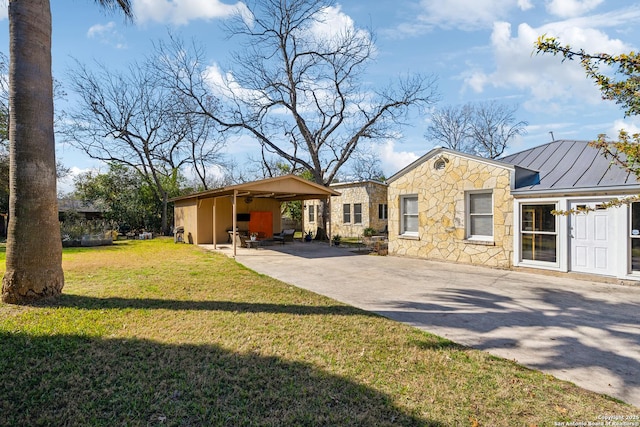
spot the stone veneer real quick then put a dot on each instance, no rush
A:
(442, 211)
(369, 194)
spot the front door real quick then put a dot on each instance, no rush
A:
(591, 239)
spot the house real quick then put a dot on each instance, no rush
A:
(209, 217)
(359, 205)
(70, 206)
(457, 207)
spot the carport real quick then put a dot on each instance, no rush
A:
(209, 217)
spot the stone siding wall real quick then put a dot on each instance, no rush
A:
(442, 194)
(368, 194)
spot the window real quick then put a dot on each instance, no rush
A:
(635, 236)
(538, 236)
(312, 210)
(382, 211)
(357, 213)
(346, 213)
(480, 216)
(409, 215)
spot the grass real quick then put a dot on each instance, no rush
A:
(154, 333)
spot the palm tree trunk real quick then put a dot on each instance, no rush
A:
(34, 249)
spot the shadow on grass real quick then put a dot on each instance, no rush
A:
(106, 248)
(75, 380)
(91, 303)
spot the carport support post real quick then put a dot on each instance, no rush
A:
(329, 220)
(214, 224)
(233, 227)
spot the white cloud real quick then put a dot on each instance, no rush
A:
(467, 15)
(525, 4)
(331, 21)
(552, 83)
(180, 12)
(107, 34)
(629, 125)
(66, 185)
(391, 160)
(571, 8)
(99, 30)
(4, 9)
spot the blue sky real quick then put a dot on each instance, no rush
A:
(480, 50)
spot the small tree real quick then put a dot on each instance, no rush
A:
(122, 195)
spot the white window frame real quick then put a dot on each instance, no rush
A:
(469, 215)
(521, 232)
(631, 237)
(403, 230)
(312, 216)
(346, 213)
(356, 213)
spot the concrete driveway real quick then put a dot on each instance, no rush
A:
(577, 330)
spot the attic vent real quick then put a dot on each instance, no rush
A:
(440, 164)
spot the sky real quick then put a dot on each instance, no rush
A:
(479, 50)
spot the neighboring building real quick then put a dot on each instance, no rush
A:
(77, 207)
(360, 205)
(457, 207)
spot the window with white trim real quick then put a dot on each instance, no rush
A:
(357, 213)
(634, 236)
(538, 235)
(480, 216)
(312, 210)
(346, 213)
(409, 215)
(383, 211)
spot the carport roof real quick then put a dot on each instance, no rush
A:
(284, 188)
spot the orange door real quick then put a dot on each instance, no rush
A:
(262, 223)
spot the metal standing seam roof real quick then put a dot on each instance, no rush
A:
(570, 165)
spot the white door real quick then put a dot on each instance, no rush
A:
(591, 240)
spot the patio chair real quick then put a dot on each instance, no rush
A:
(285, 236)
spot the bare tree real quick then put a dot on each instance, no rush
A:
(493, 126)
(483, 129)
(296, 85)
(132, 120)
(451, 127)
(365, 165)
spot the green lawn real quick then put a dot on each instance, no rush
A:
(157, 333)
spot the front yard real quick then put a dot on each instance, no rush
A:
(157, 333)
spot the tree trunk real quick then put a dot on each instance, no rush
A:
(34, 247)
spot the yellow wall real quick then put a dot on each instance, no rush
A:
(197, 217)
(185, 215)
(442, 212)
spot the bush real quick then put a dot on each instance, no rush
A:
(368, 232)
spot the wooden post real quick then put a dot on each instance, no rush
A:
(329, 220)
(234, 226)
(214, 223)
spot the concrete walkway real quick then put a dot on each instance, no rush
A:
(576, 330)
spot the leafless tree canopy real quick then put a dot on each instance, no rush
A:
(483, 129)
(131, 119)
(295, 86)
